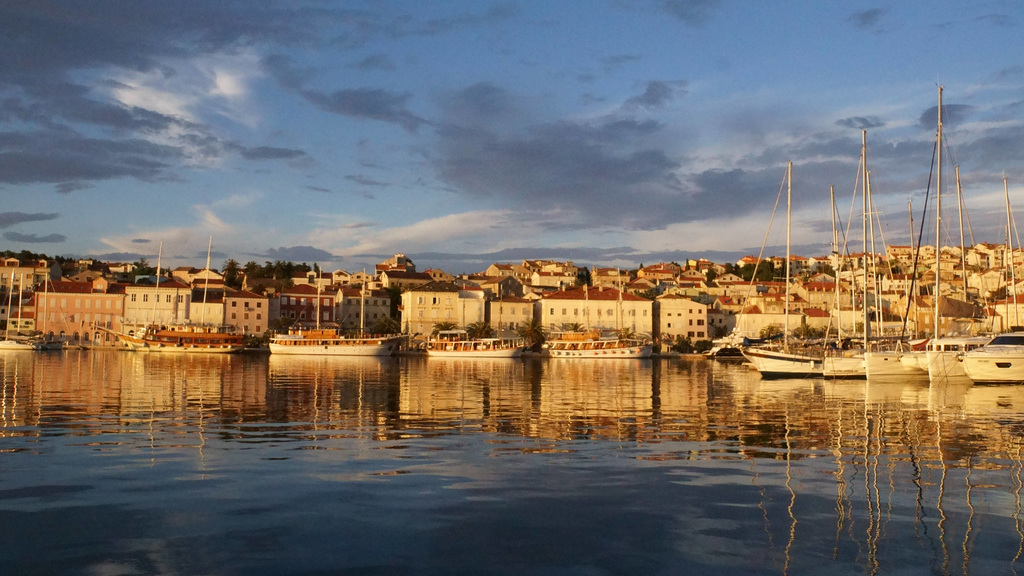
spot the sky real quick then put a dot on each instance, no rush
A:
(462, 133)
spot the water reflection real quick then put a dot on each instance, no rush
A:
(513, 466)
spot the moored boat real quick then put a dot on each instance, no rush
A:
(943, 355)
(184, 338)
(328, 342)
(783, 364)
(596, 344)
(458, 344)
(1001, 361)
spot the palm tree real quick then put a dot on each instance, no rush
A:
(232, 277)
(572, 327)
(385, 325)
(480, 329)
(447, 325)
(532, 332)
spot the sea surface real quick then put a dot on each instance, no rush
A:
(136, 463)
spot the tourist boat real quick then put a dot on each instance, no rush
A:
(183, 337)
(458, 344)
(328, 342)
(596, 344)
(1001, 361)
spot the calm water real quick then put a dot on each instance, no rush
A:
(121, 463)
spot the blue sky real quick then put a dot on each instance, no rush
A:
(467, 132)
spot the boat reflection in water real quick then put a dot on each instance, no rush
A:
(124, 463)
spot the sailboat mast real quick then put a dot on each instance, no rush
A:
(835, 252)
(206, 281)
(864, 231)
(21, 293)
(789, 216)
(156, 295)
(938, 221)
(874, 260)
(317, 294)
(1009, 244)
(362, 304)
(960, 211)
(10, 298)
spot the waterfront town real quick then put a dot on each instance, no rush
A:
(679, 305)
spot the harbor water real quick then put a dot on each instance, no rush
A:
(138, 463)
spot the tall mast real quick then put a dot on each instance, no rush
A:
(910, 293)
(10, 298)
(835, 252)
(317, 280)
(874, 259)
(1009, 243)
(21, 294)
(938, 220)
(960, 211)
(789, 215)
(362, 304)
(206, 282)
(156, 295)
(865, 205)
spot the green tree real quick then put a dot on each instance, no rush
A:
(446, 325)
(395, 294)
(386, 325)
(253, 270)
(232, 273)
(142, 268)
(702, 346)
(480, 329)
(532, 332)
(770, 331)
(682, 344)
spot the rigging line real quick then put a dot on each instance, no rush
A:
(917, 252)
(760, 255)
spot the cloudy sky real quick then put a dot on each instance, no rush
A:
(467, 132)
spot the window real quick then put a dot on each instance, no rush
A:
(232, 315)
(259, 304)
(233, 304)
(145, 297)
(259, 316)
(168, 299)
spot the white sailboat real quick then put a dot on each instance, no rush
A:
(16, 344)
(942, 352)
(784, 363)
(1000, 361)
